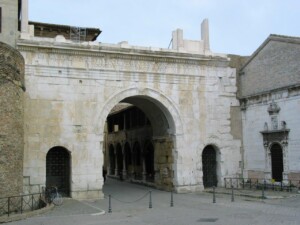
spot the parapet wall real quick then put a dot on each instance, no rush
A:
(11, 121)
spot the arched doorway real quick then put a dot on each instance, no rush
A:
(58, 169)
(277, 162)
(133, 118)
(209, 167)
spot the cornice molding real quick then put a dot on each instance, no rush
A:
(115, 52)
(282, 93)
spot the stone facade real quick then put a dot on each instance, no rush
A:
(70, 92)
(270, 97)
(11, 122)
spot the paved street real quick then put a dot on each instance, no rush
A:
(130, 205)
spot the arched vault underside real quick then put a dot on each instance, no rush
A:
(160, 110)
(166, 124)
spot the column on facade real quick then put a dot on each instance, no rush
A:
(124, 172)
(285, 154)
(267, 161)
(132, 161)
(116, 162)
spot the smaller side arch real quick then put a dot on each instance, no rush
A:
(58, 169)
(211, 166)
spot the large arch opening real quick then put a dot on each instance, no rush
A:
(277, 162)
(58, 166)
(145, 130)
(209, 167)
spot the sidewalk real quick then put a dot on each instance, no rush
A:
(130, 205)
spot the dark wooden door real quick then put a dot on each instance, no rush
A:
(209, 167)
(277, 162)
(58, 170)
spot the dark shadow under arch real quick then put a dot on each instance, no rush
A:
(119, 155)
(112, 160)
(149, 161)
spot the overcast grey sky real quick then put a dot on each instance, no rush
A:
(236, 26)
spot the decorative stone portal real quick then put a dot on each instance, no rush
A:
(275, 142)
(209, 165)
(58, 169)
(139, 145)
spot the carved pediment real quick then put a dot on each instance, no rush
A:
(270, 136)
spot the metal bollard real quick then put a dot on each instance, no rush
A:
(214, 194)
(109, 204)
(232, 195)
(172, 202)
(150, 200)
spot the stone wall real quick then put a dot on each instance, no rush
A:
(73, 87)
(11, 121)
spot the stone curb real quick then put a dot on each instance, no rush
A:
(253, 196)
(6, 219)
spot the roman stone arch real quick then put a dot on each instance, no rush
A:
(58, 169)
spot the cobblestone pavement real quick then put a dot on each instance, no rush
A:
(130, 205)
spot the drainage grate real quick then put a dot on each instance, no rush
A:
(210, 220)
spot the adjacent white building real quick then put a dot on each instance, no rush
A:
(270, 100)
